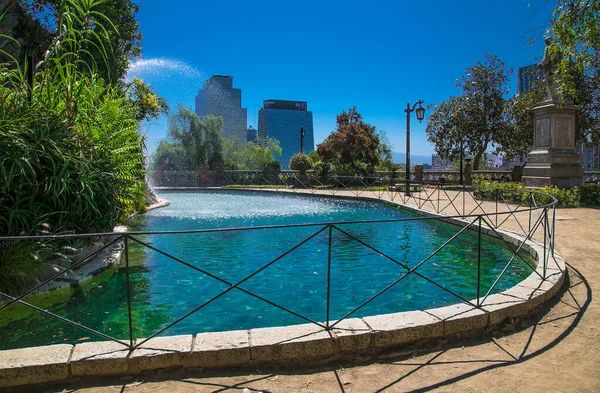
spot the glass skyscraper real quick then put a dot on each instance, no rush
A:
(252, 134)
(527, 76)
(281, 120)
(218, 97)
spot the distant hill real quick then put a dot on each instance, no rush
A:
(400, 158)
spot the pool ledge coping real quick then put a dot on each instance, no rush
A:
(295, 344)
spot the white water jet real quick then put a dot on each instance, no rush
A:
(174, 80)
(158, 66)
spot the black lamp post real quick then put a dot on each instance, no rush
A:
(462, 149)
(420, 115)
(302, 132)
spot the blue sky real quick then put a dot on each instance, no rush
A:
(375, 55)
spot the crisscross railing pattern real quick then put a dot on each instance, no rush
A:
(458, 204)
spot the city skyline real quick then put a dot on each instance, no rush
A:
(398, 53)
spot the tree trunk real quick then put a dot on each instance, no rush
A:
(477, 157)
(476, 160)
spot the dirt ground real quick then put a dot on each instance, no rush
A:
(558, 351)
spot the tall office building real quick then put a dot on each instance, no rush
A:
(218, 97)
(527, 76)
(281, 120)
(252, 134)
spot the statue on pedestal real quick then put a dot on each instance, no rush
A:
(549, 66)
(554, 161)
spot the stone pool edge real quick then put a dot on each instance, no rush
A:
(295, 344)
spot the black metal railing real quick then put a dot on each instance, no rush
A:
(532, 217)
(442, 198)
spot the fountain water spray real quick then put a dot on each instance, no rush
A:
(158, 66)
(175, 80)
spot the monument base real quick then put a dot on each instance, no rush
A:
(553, 168)
(554, 160)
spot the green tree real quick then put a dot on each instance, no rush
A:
(575, 27)
(575, 24)
(517, 137)
(119, 38)
(478, 116)
(589, 104)
(169, 157)
(251, 156)
(352, 146)
(200, 138)
(384, 149)
(448, 126)
(147, 103)
(70, 152)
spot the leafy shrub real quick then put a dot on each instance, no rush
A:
(301, 162)
(71, 157)
(567, 197)
(323, 171)
(509, 192)
(590, 194)
(517, 193)
(271, 172)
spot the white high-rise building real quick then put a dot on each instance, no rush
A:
(218, 97)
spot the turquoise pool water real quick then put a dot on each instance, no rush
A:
(164, 289)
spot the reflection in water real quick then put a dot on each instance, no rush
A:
(164, 290)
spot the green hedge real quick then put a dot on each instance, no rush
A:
(588, 195)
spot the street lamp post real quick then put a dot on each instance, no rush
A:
(461, 159)
(302, 132)
(420, 115)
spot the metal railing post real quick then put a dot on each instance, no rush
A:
(553, 228)
(545, 239)
(128, 292)
(529, 223)
(479, 263)
(496, 195)
(330, 227)
(463, 200)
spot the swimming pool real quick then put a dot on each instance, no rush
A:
(163, 289)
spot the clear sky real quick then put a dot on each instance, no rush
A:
(375, 55)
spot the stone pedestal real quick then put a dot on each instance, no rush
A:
(468, 175)
(554, 160)
(418, 173)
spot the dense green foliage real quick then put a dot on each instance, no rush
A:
(575, 24)
(301, 162)
(71, 157)
(588, 195)
(252, 156)
(169, 156)
(478, 117)
(117, 34)
(575, 27)
(517, 137)
(194, 142)
(81, 174)
(353, 147)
